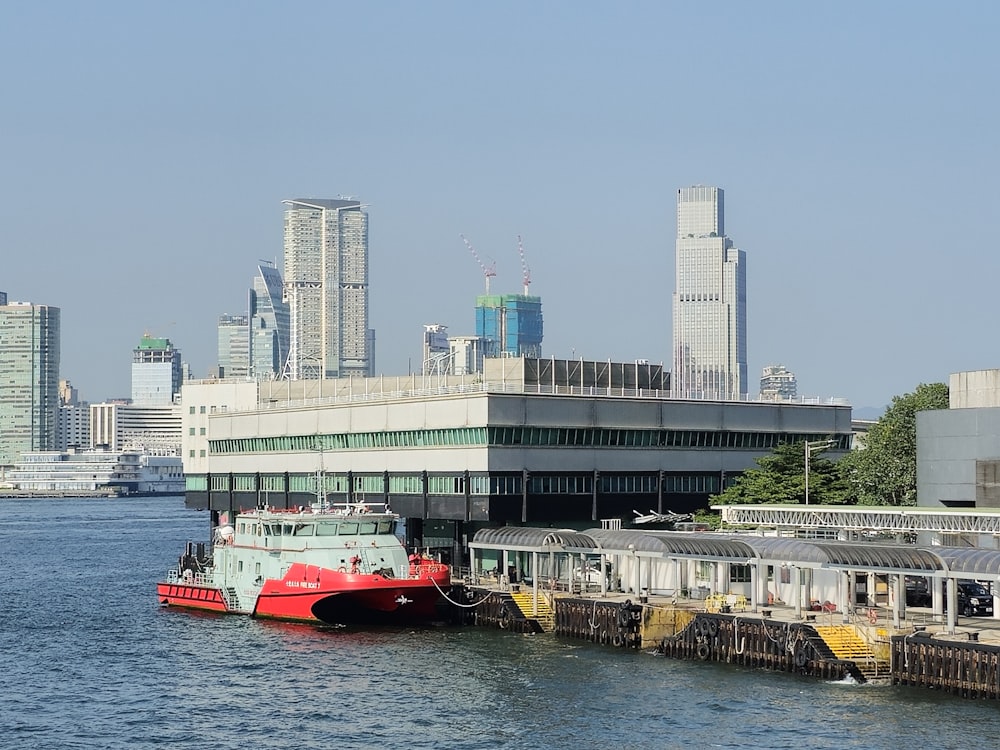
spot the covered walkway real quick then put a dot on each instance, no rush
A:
(801, 573)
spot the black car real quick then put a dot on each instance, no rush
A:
(917, 593)
(974, 599)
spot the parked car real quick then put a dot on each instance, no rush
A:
(974, 599)
(917, 593)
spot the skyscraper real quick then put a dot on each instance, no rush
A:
(29, 379)
(234, 346)
(326, 286)
(156, 372)
(709, 304)
(268, 324)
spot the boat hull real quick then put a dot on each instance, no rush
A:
(308, 594)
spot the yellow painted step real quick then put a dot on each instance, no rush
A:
(542, 612)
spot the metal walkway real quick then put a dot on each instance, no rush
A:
(857, 518)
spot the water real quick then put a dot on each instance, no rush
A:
(88, 659)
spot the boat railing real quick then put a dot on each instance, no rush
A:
(196, 578)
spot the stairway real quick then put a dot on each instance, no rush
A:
(231, 598)
(546, 617)
(846, 644)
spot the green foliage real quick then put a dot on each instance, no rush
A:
(781, 479)
(884, 472)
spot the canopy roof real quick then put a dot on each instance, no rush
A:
(745, 549)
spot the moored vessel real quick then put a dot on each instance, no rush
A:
(334, 564)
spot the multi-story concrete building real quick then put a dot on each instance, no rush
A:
(777, 383)
(73, 421)
(326, 285)
(156, 372)
(467, 354)
(709, 304)
(526, 442)
(153, 430)
(435, 352)
(29, 378)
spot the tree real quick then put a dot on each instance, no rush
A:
(884, 471)
(781, 478)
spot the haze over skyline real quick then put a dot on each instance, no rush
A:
(147, 149)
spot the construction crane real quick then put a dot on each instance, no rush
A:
(525, 271)
(488, 270)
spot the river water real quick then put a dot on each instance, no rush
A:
(88, 659)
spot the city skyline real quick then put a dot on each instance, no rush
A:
(850, 174)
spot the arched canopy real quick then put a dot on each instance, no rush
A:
(970, 561)
(528, 539)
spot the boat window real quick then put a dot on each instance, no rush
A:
(287, 529)
(385, 527)
(368, 527)
(326, 529)
(348, 529)
(242, 527)
(304, 529)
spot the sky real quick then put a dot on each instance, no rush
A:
(146, 149)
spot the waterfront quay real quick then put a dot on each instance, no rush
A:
(863, 645)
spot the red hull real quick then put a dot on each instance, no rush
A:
(192, 597)
(319, 595)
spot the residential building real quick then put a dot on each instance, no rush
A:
(73, 420)
(326, 285)
(709, 304)
(467, 354)
(510, 324)
(777, 383)
(156, 372)
(29, 379)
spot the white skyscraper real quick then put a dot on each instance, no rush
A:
(326, 287)
(709, 304)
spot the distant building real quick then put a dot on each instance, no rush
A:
(467, 354)
(510, 324)
(3, 298)
(234, 346)
(269, 324)
(777, 383)
(29, 378)
(83, 473)
(709, 305)
(436, 352)
(156, 372)
(73, 420)
(326, 285)
(154, 430)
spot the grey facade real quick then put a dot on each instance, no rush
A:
(958, 449)
(523, 444)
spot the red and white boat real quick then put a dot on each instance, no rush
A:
(339, 564)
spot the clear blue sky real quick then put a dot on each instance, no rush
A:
(146, 148)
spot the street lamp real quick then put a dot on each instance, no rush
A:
(816, 445)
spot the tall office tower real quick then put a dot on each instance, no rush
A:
(436, 352)
(3, 298)
(29, 379)
(777, 384)
(234, 346)
(326, 286)
(511, 324)
(156, 372)
(710, 301)
(268, 324)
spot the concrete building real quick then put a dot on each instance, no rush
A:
(526, 442)
(29, 379)
(73, 420)
(958, 449)
(436, 354)
(777, 383)
(153, 430)
(709, 304)
(467, 354)
(326, 285)
(156, 372)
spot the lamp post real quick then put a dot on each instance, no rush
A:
(817, 445)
